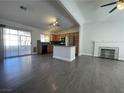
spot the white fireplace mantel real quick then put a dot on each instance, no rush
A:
(119, 44)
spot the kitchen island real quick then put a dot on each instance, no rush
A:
(66, 53)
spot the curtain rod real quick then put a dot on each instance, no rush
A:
(15, 28)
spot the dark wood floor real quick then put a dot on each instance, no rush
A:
(42, 74)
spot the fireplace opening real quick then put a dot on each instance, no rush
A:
(109, 52)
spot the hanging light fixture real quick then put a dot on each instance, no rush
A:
(120, 5)
(54, 24)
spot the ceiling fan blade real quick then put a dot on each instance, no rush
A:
(109, 4)
(113, 9)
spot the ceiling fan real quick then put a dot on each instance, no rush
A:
(119, 5)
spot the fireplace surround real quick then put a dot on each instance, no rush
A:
(109, 52)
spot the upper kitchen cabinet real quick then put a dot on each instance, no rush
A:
(55, 37)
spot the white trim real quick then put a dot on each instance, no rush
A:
(80, 54)
(65, 59)
(87, 54)
(108, 41)
(121, 59)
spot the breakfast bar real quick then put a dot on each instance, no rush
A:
(66, 53)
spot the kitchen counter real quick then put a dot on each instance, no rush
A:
(66, 53)
(64, 45)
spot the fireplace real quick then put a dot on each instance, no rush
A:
(109, 52)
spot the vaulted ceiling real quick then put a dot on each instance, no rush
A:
(92, 12)
(39, 13)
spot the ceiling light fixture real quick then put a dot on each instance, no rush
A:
(120, 5)
(54, 24)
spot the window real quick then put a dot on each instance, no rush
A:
(44, 38)
(16, 42)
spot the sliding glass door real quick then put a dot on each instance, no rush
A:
(25, 43)
(16, 43)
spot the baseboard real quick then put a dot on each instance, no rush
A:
(65, 59)
(80, 54)
(87, 54)
(121, 59)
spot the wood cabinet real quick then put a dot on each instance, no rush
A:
(73, 39)
(50, 49)
(76, 40)
(55, 37)
(62, 35)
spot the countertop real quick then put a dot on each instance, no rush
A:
(64, 46)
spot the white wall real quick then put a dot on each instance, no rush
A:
(69, 30)
(72, 7)
(81, 34)
(90, 17)
(35, 37)
(35, 32)
(102, 32)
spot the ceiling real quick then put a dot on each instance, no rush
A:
(42, 12)
(39, 13)
(92, 12)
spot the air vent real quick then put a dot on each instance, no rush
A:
(23, 8)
